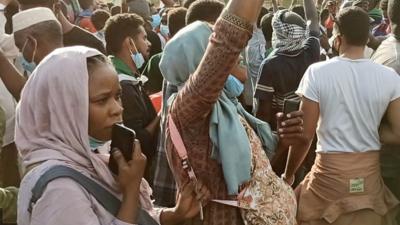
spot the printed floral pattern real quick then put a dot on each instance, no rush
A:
(272, 201)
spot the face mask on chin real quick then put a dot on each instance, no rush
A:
(95, 144)
(233, 87)
(137, 57)
(28, 66)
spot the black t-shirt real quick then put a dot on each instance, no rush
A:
(281, 73)
(138, 113)
(79, 36)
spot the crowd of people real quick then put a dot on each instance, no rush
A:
(244, 112)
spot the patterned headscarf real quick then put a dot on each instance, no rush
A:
(286, 37)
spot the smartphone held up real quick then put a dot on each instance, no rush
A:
(122, 139)
(290, 105)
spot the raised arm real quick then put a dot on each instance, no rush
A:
(311, 16)
(231, 34)
(275, 6)
(7, 44)
(294, 2)
(12, 79)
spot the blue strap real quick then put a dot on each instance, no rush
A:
(104, 197)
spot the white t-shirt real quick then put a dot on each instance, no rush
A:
(353, 96)
(8, 104)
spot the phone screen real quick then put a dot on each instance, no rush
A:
(290, 105)
(123, 139)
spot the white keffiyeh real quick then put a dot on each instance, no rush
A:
(287, 37)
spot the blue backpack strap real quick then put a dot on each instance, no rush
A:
(104, 197)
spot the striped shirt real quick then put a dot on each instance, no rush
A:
(281, 73)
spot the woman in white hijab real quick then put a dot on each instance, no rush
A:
(66, 113)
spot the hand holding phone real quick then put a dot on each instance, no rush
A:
(290, 129)
(130, 173)
(290, 105)
(122, 139)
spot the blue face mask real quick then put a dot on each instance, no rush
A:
(233, 87)
(28, 66)
(164, 30)
(156, 20)
(95, 144)
(137, 57)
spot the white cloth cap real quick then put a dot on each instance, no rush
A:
(29, 17)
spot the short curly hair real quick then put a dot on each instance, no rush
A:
(204, 10)
(119, 27)
(176, 20)
(353, 24)
(99, 18)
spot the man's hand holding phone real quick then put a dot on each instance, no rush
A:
(130, 172)
(290, 124)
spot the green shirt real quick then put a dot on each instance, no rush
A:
(153, 72)
(376, 14)
(120, 66)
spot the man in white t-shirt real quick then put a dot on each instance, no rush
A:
(344, 101)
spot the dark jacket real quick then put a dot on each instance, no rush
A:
(138, 110)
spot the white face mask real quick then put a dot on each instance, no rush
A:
(137, 57)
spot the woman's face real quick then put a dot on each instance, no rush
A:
(105, 107)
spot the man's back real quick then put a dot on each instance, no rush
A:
(281, 73)
(353, 96)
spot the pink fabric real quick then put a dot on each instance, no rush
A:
(52, 121)
(53, 115)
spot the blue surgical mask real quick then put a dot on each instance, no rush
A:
(156, 20)
(233, 87)
(95, 144)
(137, 57)
(164, 30)
(28, 66)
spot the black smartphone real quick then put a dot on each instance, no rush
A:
(290, 105)
(122, 138)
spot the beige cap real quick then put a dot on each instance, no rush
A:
(29, 17)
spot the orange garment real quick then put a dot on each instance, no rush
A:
(156, 99)
(87, 24)
(329, 22)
